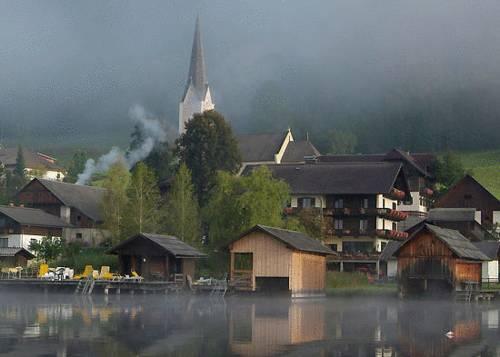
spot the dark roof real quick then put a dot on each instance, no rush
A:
(419, 161)
(170, 244)
(296, 240)
(32, 160)
(259, 147)
(33, 217)
(452, 214)
(11, 252)
(86, 199)
(336, 178)
(297, 150)
(457, 243)
(390, 248)
(490, 248)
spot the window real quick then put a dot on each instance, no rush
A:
(363, 225)
(394, 205)
(78, 218)
(333, 247)
(4, 242)
(394, 226)
(357, 247)
(79, 236)
(243, 261)
(33, 241)
(339, 203)
(382, 245)
(306, 202)
(364, 203)
(338, 223)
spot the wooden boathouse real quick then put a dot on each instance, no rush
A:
(438, 260)
(273, 259)
(156, 257)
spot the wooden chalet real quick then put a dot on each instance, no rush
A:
(156, 257)
(19, 226)
(273, 259)
(438, 260)
(15, 257)
(78, 205)
(469, 193)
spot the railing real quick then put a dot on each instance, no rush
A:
(381, 233)
(490, 283)
(382, 212)
(241, 279)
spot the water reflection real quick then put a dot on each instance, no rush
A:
(159, 325)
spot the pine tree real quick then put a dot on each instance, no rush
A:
(76, 167)
(181, 210)
(142, 213)
(116, 182)
(19, 170)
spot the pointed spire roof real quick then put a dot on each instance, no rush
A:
(197, 76)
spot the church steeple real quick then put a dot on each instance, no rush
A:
(197, 75)
(196, 97)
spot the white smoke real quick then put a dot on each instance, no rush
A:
(153, 133)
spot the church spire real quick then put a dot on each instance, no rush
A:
(197, 76)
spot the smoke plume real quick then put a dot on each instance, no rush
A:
(153, 133)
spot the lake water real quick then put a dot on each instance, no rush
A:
(66, 325)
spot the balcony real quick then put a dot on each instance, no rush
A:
(388, 213)
(380, 233)
(396, 194)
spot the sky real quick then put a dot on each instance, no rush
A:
(71, 70)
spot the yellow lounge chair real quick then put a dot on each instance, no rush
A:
(134, 277)
(43, 270)
(105, 273)
(86, 272)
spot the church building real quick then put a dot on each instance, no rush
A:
(197, 97)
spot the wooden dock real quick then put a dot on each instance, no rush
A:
(99, 286)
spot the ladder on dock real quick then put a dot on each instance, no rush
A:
(85, 286)
(219, 287)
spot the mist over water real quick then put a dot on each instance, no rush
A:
(67, 325)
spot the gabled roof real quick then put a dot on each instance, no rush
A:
(32, 160)
(453, 239)
(170, 244)
(86, 199)
(259, 147)
(12, 252)
(293, 239)
(452, 214)
(390, 248)
(33, 217)
(297, 150)
(337, 178)
(490, 248)
(398, 154)
(471, 180)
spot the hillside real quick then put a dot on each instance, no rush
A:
(485, 167)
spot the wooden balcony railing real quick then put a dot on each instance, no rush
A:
(380, 233)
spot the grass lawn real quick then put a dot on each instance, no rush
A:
(350, 284)
(485, 167)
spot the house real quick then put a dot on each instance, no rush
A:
(15, 257)
(259, 149)
(438, 260)
(36, 164)
(418, 168)
(273, 259)
(77, 205)
(357, 203)
(20, 226)
(469, 193)
(489, 270)
(155, 256)
(388, 262)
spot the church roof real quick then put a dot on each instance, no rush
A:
(259, 147)
(197, 74)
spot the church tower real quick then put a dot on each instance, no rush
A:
(196, 98)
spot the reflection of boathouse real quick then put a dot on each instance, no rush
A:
(266, 258)
(436, 259)
(264, 330)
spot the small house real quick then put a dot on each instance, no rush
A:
(388, 262)
(438, 260)
(489, 271)
(156, 257)
(273, 259)
(15, 257)
(20, 226)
